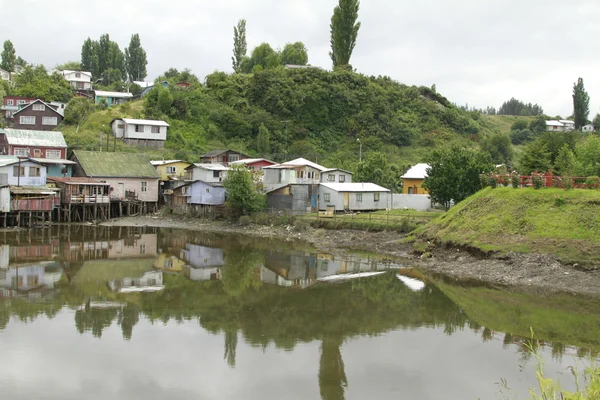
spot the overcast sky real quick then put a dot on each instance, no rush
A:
(479, 52)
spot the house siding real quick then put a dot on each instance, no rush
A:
(223, 158)
(368, 200)
(39, 116)
(295, 198)
(179, 170)
(415, 184)
(26, 180)
(120, 185)
(202, 193)
(206, 175)
(325, 177)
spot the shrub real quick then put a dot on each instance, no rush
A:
(559, 201)
(537, 180)
(245, 220)
(592, 182)
(515, 179)
(567, 182)
(301, 225)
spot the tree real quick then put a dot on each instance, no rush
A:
(89, 57)
(588, 157)
(240, 46)
(565, 163)
(517, 107)
(35, 82)
(454, 174)
(596, 122)
(499, 147)
(581, 104)
(535, 157)
(69, 65)
(103, 52)
(242, 195)
(263, 143)
(77, 110)
(521, 136)
(135, 59)
(344, 30)
(165, 100)
(375, 168)
(538, 125)
(9, 57)
(295, 54)
(263, 57)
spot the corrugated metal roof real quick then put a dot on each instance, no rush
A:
(163, 162)
(554, 123)
(103, 93)
(117, 165)
(9, 160)
(336, 169)
(214, 153)
(22, 137)
(418, 171)
(33, 190)
(144, 122)
(211, 167)
(52, 161)
(298, 162)
(355, 187)
(246, 161)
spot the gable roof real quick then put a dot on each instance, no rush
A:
(247, 161)
(299, 162)
(336, 169)
(210, 167)
(164, 162)
(71, 71)
(417, 171)
(117, 165)
(219, 152)
(22, 137)
(38, 101)
(103, 93)
(141, 121)
(355, 187)
(554, 123)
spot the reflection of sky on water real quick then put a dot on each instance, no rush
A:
(180, 360)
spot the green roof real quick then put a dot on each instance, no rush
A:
(117, 165)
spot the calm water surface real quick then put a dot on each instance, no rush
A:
(140, 313)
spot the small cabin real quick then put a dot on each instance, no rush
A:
(82, 190)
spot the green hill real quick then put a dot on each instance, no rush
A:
(550, 221)
(308, 113)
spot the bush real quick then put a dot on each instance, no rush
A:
(245, 220)
(537, 180)
(301, 225)
(592, 182)
(516, 180)
(567, 182)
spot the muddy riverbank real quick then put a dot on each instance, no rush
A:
(531, 272)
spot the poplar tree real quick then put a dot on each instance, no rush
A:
(240, 46)
(89, 57)
(263, 141)
(9, 57)
(581, 104)
(344, 30)
(135, 59)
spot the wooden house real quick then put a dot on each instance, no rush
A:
(140, 132)
(79, 80)
(354, 196)
(413, 179)
(209, 173)
(31, 143)
(223, 157)
(55, 167)
(254, 164)
(131, 176)
(298, 171)
(12, 104)
(332, 175)
(198, 193)
(111, 98)
(170, 169)
(33, 199)
(38, 116)
(296, 198)
(81, 190)
(4, 75)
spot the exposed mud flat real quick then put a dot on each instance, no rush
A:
(537, 272)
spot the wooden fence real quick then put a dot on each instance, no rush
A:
(549, 180)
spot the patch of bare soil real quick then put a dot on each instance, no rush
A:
(537, 272)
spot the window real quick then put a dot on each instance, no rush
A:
(18, 171)
(342, 178)
(327, 197)
(234, 157)
(359, 197)
(155, 129)
(139, 128)
(120, 126)
(9, 114)
(207, 190)
(34, 171)
(310, 174)
(185, 190)
(21, 152)
(52, 153)
(10, 102)
(216, 174)
(144, 186)
(49, 121)
(376, 197)
(410, 190)
(301, 174)
(77, 75)
(21, 102)
(37, 153)
(171, 170)
(27, 120)
(331, 178)
(39, 107)
(142, 249)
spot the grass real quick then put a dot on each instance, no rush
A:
(547, 221)
(502, 123)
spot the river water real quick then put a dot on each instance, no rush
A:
(141, 313)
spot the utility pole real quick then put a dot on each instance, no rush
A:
(359, 150)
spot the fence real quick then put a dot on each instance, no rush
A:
(547, 180)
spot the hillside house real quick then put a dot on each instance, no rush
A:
(11, 104)
(56, 167)
(170, 169)
(332, 175)
(79, 80)
(587, 128)
(562, 125)
(111, 98)
(413, 179)
(37, 115)
(130, 175)
(140, 132)
(253, 164)
(354, 196)
(298, 171)
(209, 173)
(21, 171)
(206, 193)
(223, 157)
(568, 124)
(28, 143)
(4, 75)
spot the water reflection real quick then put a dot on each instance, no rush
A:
(260, 293)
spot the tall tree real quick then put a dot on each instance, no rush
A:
(9, 57)
(89, 57)
(240, 46)
(135, 59)
(263, 57)
(344, 30)
(103, 52)
(295, 53)
(116, 60)
(263, 142)
(581, 104)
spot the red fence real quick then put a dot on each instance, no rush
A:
(33, 205)
(548, 180)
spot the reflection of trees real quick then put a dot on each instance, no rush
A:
(231, 339)
(241, 270)
(332, 377)
(128, 317)
(94, 319)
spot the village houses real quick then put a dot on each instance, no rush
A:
(140, 132)
(37, 115)
(79, 80)
(11, 104)
(111, 98)
(223, 157)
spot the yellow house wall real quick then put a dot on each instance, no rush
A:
(180, 169)
(414, 183)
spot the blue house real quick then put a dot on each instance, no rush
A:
(55, 167)
(199, 193)
(111, 98)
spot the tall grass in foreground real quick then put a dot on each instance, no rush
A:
(587, 383)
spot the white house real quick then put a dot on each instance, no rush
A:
(568, 124)
(587, 128)
(298, 171)
(21, 172)
(141, 132)
(354, 196)
(79, 80)
(4, 75)
(554, 125)
(332, 175)
(151, 281)
(209, 173)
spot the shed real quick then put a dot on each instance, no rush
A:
(296, 198)
(354, 196)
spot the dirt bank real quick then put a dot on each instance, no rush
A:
(540, 273)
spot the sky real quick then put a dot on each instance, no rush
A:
(476, 52)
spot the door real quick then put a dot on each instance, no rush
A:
(346, 200)
(121, 189)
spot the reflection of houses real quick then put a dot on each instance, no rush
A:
(169, 263)
(151, 281)
(30, 277)
(203, 263)
(134, 246)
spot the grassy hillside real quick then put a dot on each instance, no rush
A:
(551, 221)
(308, 113)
